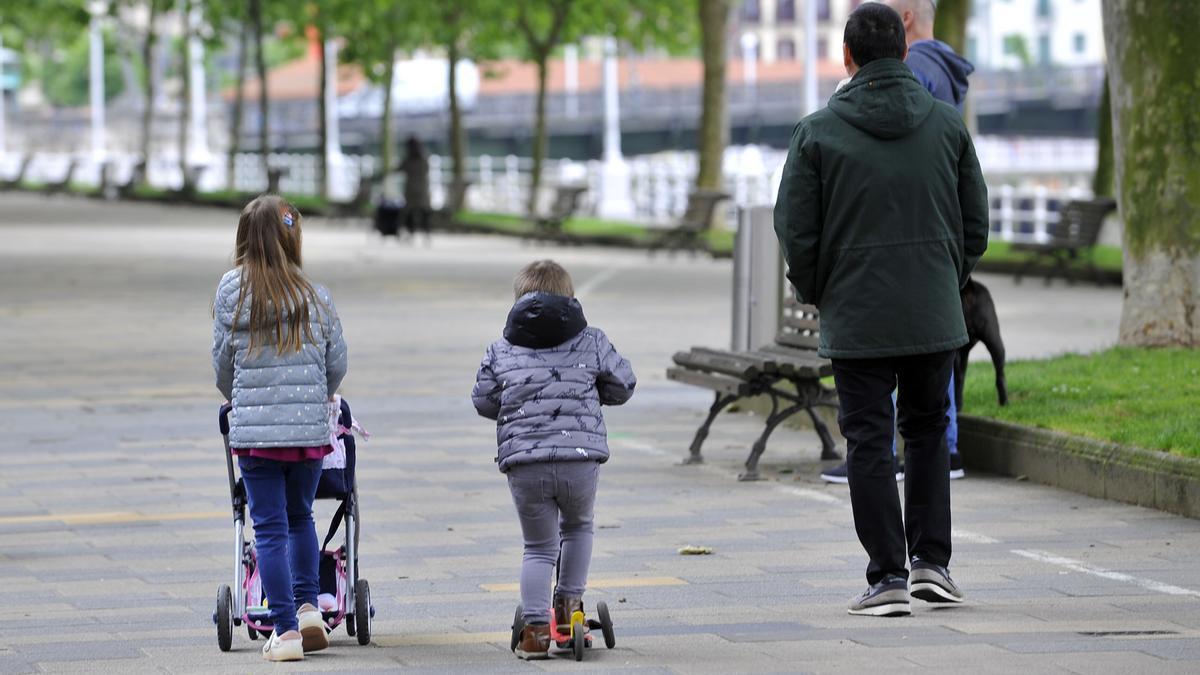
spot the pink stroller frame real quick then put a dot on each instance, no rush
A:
(353, 594)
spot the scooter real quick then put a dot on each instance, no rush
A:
(578, 638)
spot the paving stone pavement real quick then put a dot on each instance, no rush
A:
(114, 524)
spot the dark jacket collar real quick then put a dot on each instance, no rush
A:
(884, 99)
(541, 320)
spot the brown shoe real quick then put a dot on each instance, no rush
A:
(535, 642)
(564, 607)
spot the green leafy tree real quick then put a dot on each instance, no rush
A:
(545, 25)
(1152, 56)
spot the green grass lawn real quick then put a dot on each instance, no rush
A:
(1108, 258)
(1148, 398)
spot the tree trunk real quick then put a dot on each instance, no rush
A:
(1102, 181)
(385, 132)
(539, 131)
(1152, 54)
(185, 99)
(150, 88)
(714, 128)
(323, 164)
(457, 144)
(239, 104)
(264, 98)
(950, 23)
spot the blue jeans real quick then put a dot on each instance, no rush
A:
(281, 497)
(554, 502)
(951, 428)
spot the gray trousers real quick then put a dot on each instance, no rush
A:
(554, 501)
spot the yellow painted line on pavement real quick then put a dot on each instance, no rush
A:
(110, 517)
(626, 582)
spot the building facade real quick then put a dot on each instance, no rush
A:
(1002, 34)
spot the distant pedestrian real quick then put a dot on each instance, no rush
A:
(544, 383)
(944, 74)
(417, 205)
(882, 214)
(279, 357)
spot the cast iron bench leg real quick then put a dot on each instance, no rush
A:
(774, 420)
(702, 433)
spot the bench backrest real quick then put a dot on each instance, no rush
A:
(701, 206)
(566, 201)
(799, 326)
(1080, 221)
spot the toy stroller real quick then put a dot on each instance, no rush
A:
(338, 568)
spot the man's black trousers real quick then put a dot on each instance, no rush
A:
(864, 388)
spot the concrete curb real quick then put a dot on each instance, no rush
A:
(1101, 469)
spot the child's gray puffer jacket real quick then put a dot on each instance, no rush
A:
(545, 381)
(279, 401)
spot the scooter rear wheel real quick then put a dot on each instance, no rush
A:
(518, 625)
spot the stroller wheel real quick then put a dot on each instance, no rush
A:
(518, 625)
(362, 611)
(252, 632)
(224, 618)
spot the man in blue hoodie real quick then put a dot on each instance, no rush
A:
(936, 65)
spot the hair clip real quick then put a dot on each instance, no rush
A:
(287, 220)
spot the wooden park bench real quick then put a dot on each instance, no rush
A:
(697, 219)
(1072, 239)
(358, 206)
(456, 199)
(15, 182)
(64, 184)
(136, 177)
(566, 203)
(788, 371)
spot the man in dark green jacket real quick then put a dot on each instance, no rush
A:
(882, 214)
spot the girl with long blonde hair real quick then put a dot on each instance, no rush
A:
(279, 357)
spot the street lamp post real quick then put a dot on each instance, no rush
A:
(3, 107)
(97, 9)
(810, 57)
(614, 194)
(749, 64)
(334, 160)
(571, 79)
(198, 133)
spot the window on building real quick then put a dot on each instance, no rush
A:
(785, 50)
(823, 12)
(751, 12)
(1044, 9)
(1080, 43)
(785, 11)
(1044, 50)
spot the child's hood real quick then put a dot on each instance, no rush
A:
(541, 320)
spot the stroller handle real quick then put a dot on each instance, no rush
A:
(223, 418)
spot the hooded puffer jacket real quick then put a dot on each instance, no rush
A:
(545, 381)
(279, 400)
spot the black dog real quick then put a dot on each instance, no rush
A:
(982, 326)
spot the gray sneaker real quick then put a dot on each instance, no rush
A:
(888, 597)
(932, 583)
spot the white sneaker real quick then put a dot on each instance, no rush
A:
(312, 627)
(284, 649)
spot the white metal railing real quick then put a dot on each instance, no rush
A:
(1025, 194)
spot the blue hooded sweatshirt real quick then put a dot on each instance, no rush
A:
(940, 70)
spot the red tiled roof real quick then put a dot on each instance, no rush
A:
(299, 79)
